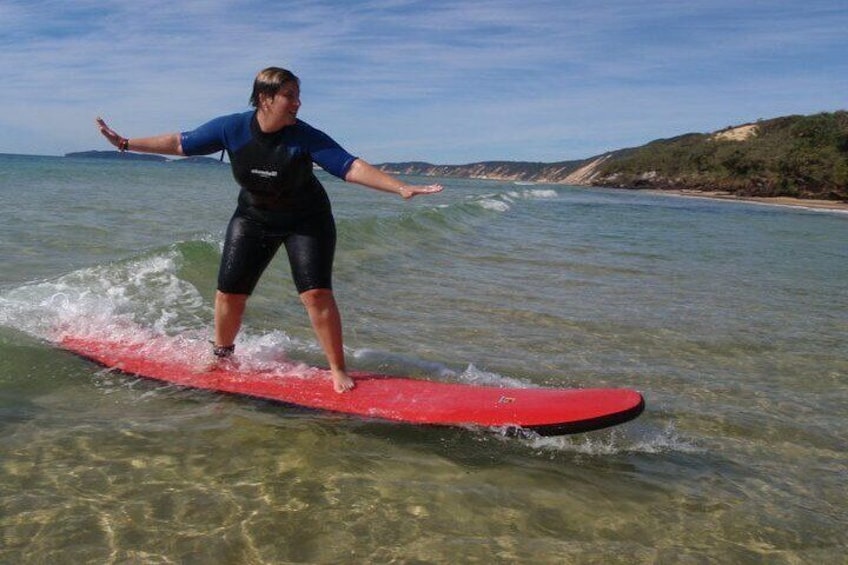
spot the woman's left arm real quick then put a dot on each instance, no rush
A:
(368, 175)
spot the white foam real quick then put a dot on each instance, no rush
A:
(106, 299)
(401, 364)
(473, 375)
(269, 352)
(494, 205)
(534, 194)
(542, 193)
(502, 202)
(626, 439)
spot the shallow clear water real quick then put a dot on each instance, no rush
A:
(731, 318)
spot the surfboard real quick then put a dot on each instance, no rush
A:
(545, 411)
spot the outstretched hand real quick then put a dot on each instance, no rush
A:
(410, 190)
(108, 132)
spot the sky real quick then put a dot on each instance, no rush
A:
(446, 82)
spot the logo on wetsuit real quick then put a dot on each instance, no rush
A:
(263, 174)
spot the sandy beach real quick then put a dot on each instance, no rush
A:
(774, 201)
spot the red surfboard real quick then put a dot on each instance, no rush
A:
(414, 401)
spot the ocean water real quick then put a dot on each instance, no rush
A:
(731, 318)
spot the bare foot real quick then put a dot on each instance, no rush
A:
(215, 363)
(342, 382)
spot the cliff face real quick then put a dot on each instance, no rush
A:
(588, 173)
(798, 156)
(493, 170)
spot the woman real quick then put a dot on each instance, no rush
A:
(281, 202)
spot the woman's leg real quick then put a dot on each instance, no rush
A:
(311, 249)
(247, 252)
(229, 311)
(327, 323)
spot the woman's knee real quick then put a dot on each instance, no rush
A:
(317, 297)
(230, 300)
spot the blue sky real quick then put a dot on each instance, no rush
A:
(447, 82)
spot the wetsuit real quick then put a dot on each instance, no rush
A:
(280, 202)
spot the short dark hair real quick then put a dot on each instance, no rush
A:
(269, 81)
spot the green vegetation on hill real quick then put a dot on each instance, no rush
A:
(799, 156)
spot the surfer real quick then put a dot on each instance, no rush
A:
(281, 202)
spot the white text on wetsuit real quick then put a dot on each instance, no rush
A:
(264, 174)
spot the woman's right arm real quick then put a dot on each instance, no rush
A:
(165, 144)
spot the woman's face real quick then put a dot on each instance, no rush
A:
(283, 106)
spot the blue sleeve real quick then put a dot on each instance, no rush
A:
(328, 154)
(225, 132)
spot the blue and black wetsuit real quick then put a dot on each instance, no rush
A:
(281, 201)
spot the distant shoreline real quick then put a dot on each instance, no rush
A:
(809, 203)
(835, 205)
(133, 156)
